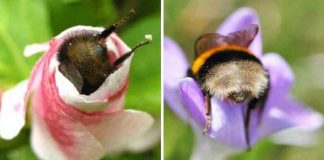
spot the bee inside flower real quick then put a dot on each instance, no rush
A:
(231, 90)
(76, 92)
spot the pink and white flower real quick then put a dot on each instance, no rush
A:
(65, 123)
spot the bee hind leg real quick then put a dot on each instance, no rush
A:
(247, 125)
(208, 110)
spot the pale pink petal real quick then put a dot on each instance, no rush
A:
(113, 85)
(116, 130)
(146, 141)
(35, 48)
(89, 140)
(73, 129)
(42, 143)
(79, 144)
(12, 114)
(16, 103)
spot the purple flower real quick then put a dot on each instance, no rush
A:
(185, 98)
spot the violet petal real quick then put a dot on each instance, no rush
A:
(207, 148)
(296, 137)
(194, 100)
(175, 68)
(283, 113)
(281, 75)
(227, 119)
(228, 123)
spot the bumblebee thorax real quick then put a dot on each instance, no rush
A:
(85, 52)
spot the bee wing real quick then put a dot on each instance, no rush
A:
(211, 40)
(243, 37)
(208, 41)
(72, 74)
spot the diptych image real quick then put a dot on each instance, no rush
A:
(151, 80)
(74, 80)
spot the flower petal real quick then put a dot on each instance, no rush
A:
(281, 75)
(116, 130)
(43, 143)
(87, 140)
(296, 137)
(16, 103)
(228, 123)
(114, 84)
(239, 20)
(82, 133)
(12, 114)
(35, 48)
(194, 100)
(146, 141)
(206, 147)
(301, 116)
(283, 113)
(175, 68)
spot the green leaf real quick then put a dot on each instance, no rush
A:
(23, 152)
(65, 14)
(21, 22)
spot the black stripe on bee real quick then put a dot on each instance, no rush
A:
(224, 56)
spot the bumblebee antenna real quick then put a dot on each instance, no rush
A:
(148, 39)
(105, 33)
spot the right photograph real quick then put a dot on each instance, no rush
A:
(243, 80)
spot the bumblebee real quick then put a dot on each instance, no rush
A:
(225, 68)
(84, 59)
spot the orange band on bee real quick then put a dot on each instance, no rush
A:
(201, 59)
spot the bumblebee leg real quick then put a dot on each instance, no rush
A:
(247, 125)
(258, 104)
(208, 118)
(262, 103)
(105, 33)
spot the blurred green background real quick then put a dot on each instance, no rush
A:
(292, 28)
(24, 22)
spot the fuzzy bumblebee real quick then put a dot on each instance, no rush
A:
(224, 67)
(84, 58)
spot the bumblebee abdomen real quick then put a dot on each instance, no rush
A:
(230, 73)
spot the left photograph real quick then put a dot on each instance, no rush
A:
(80, 79)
